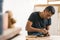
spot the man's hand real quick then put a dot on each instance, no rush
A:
(44, 31)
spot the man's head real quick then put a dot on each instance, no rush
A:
(48, 12)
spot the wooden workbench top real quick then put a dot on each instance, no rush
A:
(42, 38)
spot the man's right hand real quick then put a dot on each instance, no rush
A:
(44, 31)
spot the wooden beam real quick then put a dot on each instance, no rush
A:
(52, 0)
(38, 5)
(59, 9)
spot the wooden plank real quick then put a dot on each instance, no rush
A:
(59, 9)
(38, 5)
(9, 33)
(43, 38)
(52, 0)
(36, 38)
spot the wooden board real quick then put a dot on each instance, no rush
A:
(9, 33)
(42, 38)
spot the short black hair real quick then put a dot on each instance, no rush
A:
(50, 9)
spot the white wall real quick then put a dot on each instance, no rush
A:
(21, 10)
(40, 1)
(55, 25)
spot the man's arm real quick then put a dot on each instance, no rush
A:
(47, 28)
(29, 28)
(48, 25)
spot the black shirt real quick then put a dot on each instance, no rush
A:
(38, 22)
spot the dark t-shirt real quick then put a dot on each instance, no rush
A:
(38, 22)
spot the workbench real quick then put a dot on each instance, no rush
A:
(30, 37)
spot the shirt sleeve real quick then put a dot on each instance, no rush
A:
(31, 17)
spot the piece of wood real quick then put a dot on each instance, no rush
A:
(9, 33)
(36, 38)
(58, 9)
(44, 38)
(38, 5)
(52, 0)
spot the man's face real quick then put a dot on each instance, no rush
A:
(47, 15)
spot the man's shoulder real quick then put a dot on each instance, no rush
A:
(34, 13)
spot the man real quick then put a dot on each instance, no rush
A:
(39, 22)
